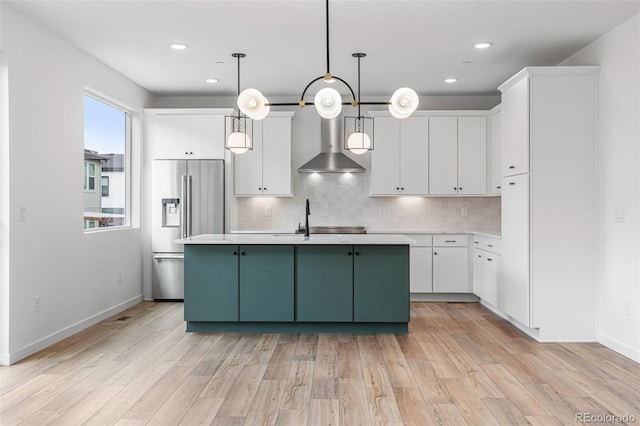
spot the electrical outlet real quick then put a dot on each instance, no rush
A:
(23, 215)
(382, 211)
(627, 308)
(36, 304)
(463, 211)
(119, 277)
(267, 211)
(619, 218)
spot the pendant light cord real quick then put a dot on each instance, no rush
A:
(327, 23)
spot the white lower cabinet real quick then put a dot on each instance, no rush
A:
(421, 280)
(487, 267)
(451, 264)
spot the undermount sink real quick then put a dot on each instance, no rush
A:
(334, 230)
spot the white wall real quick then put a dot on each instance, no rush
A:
(73, 273)
(618, 54)
(4, 208)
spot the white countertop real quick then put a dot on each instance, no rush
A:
(295, 239)
(492, 234)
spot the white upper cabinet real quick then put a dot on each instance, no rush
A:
(515, 129)
(266, 170)
(400, 158)
(494, 157)
(196, 134)
(458, 155)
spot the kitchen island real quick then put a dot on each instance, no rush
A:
(289, 283)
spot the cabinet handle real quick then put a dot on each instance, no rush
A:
(357, 253)
(479, 255)
(455, 189)
(186, 153)
(190, 152)
(460, 189)
(264, 188)
(498, 187)
(512, 167)
(450, 241)
(259, 189)
(243, 253)
(349, 253)
(512, 183)
(402, 188)
(235, 253)
(435, 253)
(489, 259)
(476, 242)
(397, 188)
(489, 245)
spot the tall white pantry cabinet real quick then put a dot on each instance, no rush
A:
(549, 201)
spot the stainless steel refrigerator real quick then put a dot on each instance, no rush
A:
(188, 199)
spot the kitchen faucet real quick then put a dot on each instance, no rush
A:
(306, 220)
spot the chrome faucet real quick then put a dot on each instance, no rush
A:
(306, 220)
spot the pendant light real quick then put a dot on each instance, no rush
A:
(358, 141)
(327, 100)
(240, 132)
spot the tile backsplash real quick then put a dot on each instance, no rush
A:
(343, 199)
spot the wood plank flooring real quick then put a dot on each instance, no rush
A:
(460, 364)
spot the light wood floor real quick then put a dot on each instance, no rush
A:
(459, 365)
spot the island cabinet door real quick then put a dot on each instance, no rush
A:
(324, 277)
(210, 283)
(266, 283)
(381, 284)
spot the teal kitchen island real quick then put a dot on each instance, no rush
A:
(286, 283)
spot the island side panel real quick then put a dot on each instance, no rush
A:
(381, 283)
(211, 283)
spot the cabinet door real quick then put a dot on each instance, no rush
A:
(495, 172)
(414, 156)
(266, 283)
(451, 270)
(472, 155)
(515, 247)
(276, 156)
(324, 284)
(206, 137)
(443, 155)
(170, 136)
(248, 166)
(210, 283)
(385, 157)
(421, 270)
(515, 129)
(490, 277)
(381, 284)
(478, 272)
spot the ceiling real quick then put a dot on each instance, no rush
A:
(408, 43)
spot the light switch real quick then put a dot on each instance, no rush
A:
(619, 215)
(24, 214)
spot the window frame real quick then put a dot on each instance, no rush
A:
(129, 114)
(103, 186)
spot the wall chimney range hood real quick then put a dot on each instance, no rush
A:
(331, 158)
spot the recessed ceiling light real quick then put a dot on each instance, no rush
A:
(178, 46)
(212, 80)
(483, 45)
(451, 80)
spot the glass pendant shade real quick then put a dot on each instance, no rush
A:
(253, 104)
(359, 143)
(403, 103)
(328, 102)
(239, 142)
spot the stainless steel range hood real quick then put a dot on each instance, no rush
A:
(331, 158)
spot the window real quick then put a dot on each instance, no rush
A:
(107, 135)
(105, 186)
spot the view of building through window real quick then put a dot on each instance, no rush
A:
(106, 136)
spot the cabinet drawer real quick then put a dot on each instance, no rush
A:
(422, 240)
(451, 240)
(494, 245)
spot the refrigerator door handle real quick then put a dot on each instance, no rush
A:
(176, 256)
(190, 207)
(183, 208)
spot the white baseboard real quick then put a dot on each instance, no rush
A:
(13, 357)
(623, 349)
(443, 297)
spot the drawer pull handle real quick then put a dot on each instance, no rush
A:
(349, 253)
(243, 253)
(435, 253)
(235, 253)
(489, 245)
(450, 241)
(512, 167)
(498, 187)
(489, 259)
(512, 183)
(357, 253)
(479, 255)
